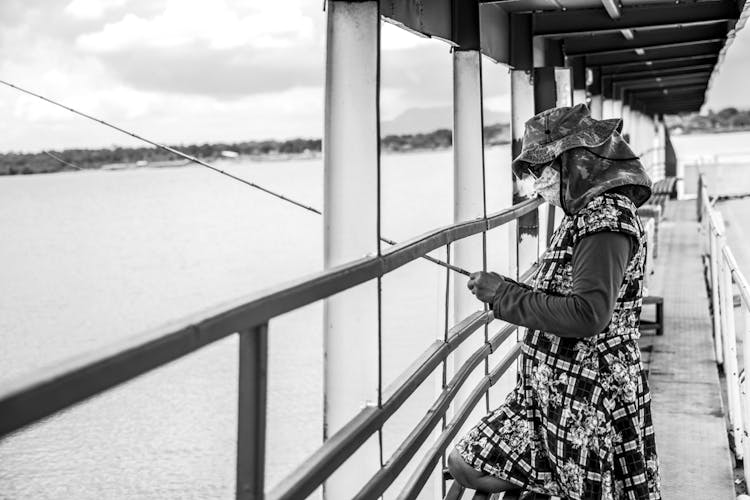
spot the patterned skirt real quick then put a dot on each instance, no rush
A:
(577, 430)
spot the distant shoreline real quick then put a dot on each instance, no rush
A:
(262, 151)
(119, 158)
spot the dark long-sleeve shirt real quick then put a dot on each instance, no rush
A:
(599, 262)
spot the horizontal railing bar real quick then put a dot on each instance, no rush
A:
(530, 272)
(51, 389)
(428, 462)
(326, 459)
(455, 492)
(737, 273)
(439, 351)
(394, 466)
(413, 249)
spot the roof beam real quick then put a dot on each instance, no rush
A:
(677, 91)
(667, 101)
(643, 39)
(656, 64)
(655, 102)
(671, 91)
(583, 21)
(711, 49)
(619, 87)
(687, 71)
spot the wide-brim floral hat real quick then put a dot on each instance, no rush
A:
(554, 131)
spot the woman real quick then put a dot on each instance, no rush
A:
(578, 424)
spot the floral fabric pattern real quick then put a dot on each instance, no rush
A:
(578, 424)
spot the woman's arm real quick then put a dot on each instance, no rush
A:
(599, 263)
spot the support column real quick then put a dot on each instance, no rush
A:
(522, 108)
(578, 68)
(595, 90)
(660, 153)
(627, 121)
(351, 159)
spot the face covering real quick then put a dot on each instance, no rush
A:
(548, 186)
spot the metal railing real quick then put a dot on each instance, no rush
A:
(50, 390)
(722, 274)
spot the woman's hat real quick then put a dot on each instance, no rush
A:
(554, 131)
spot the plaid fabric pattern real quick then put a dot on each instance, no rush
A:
(578, 424)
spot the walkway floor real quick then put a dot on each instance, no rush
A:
(691, 435)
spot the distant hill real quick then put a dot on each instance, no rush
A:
(425, 120)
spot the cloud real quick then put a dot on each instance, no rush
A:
(217, 73)
(214, 25)
(213, 48)
(91, 9)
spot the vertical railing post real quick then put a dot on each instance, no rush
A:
(351, 164)
(716, 291)
(745, 392)
(251, 414)
(699, 198)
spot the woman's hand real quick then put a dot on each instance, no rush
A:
(484, 285)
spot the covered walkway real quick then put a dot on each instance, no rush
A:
(688, 413)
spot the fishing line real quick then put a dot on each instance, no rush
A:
(209, 166)
(66, 163)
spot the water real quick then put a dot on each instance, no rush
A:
(699, 153)
(88, 258)
(91, 257)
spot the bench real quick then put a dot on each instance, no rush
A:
(661, 191)
(658, 324)
(651, 213)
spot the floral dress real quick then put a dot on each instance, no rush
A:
(578, 425)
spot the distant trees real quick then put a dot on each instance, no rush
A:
(27, 163)
(727, 119)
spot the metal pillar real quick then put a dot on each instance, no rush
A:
(617, 111)
(578, 70)
(468, 190)
(627, 122)
(661, 150)
(596, 106)
(595, 90)
(635, 130)
(351, 162)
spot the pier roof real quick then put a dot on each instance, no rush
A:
(657, 56)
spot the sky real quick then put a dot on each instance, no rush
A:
(192, 71)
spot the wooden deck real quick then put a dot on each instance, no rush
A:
(691, 434)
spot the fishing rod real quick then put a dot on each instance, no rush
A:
(66, 163)
(207, 165)
(161, 146)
